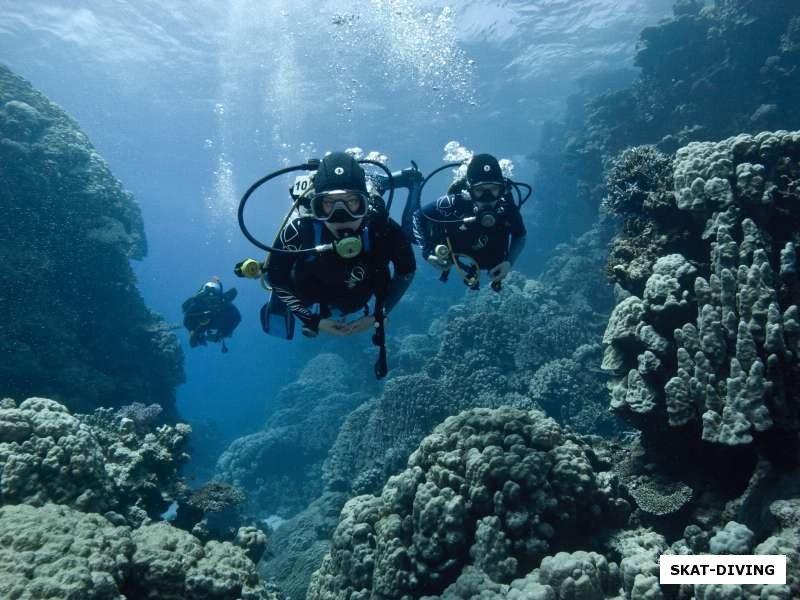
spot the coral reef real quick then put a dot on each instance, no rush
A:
(172, 564)
(568, 386)
(279, 467)
(212, 512)
(97, 463)
(296, 548)
(495, 489)
(72, 229)
(711, 342)
(143, 416)
(565, 576)
(707, 73)
(658, 495)
(495, 349)
(734, 538)
(252, 540)
(58, 471)
(54, 552)
(46, 454)
(784, 540)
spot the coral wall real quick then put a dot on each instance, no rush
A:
(74, 325)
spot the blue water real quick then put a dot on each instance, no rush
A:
(191, 102)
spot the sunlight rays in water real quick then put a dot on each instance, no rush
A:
(293, 75)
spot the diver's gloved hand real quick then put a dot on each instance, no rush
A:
(438, 263)
(334, 327)
(499, 272)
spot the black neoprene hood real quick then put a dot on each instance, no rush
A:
(484, 168)
(339, 171)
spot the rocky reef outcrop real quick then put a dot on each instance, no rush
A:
(72, 314)
(96, 463)
(503, 504)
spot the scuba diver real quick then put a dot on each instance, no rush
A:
(476, 226)
(210, 315)
(331, 260)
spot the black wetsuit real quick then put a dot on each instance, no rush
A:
(336, 283)
(489, 246)
(210, 315)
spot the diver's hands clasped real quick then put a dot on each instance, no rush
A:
(343, 328)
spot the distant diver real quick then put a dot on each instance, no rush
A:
(475, 226)
(210, 315)
(333, 252)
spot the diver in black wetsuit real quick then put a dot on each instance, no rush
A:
(210, 315)
(343, 281)
(476, 220)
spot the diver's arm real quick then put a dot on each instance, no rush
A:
(422, 233)
(279, 277)
(297, 306)
(427, 233)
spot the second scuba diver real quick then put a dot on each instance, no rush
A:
(475, 226)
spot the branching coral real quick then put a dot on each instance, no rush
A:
(636, 178)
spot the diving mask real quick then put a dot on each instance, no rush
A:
(339, 206)
(483, 192)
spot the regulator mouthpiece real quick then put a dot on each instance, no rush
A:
(488, 220)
